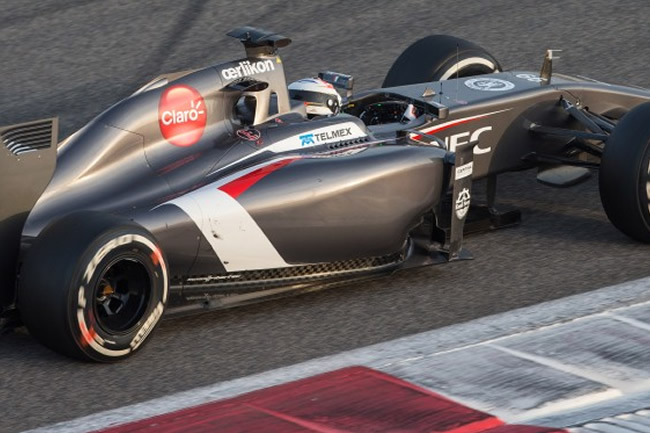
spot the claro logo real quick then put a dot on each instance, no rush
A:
(182, 115)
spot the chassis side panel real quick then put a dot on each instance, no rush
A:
(346, 207)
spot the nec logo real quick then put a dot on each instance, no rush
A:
(461, 138)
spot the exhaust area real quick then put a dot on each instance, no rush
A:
(27, 162)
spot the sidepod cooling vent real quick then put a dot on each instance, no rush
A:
(29, 137)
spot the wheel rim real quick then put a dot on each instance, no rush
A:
(469, 68)
(122, 295)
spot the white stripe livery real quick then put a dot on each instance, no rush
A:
(235, 237)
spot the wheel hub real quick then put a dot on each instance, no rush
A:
(122, 295)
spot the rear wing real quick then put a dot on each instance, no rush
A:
(27, 162)
(259, 40)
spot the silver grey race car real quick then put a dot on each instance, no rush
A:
(217, 187)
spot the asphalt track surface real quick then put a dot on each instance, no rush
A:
(74, 58)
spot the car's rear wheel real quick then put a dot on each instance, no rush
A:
(440, 57)
(93, 287)
(625, 174)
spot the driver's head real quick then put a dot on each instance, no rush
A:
(320, 97)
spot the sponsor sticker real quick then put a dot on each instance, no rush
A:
(306, 139)
(462, 203)
(247, 68)
(212, 278)
(489, 84)
(455, 140)
(464, 170)
(182, 115)
(530, 77)
(249, 134)
(325, 136)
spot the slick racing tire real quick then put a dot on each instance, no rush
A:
(624, 180)
(437, 58)
(93, 287)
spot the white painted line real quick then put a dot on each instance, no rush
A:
(393, 355)
(632, 322)
(638, 422)
(557, 365)
(603, 427)
(565, 405)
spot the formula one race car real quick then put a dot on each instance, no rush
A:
(214, 187)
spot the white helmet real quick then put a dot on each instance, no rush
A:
(320, 97)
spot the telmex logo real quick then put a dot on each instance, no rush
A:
(307, 139)
(182, 115)
(247, 68)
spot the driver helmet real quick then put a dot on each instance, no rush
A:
(320, 97)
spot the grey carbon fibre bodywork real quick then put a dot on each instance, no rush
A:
(324, 199)
(528, 101)
(373, 198)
